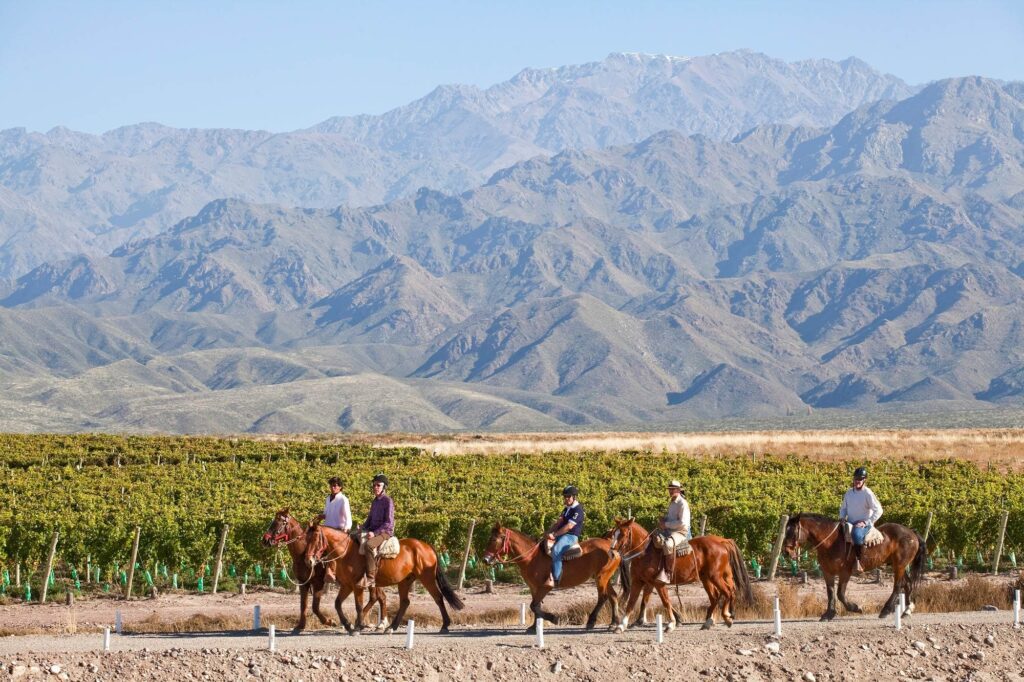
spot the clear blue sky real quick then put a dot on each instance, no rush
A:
(97, 65)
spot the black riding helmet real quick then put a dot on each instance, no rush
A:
(381, 478)
(571, 490)
(860, 474)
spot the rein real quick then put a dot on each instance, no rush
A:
(643, 547)
(800, 530)
(506, 547)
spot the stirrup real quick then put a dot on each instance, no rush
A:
(662, 577)
(857, 568)
(550, 582)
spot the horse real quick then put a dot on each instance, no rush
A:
(716, 561)
(597, 561)
(285, 529)
(416, 560)
(902, 548)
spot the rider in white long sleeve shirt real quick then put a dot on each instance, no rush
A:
(337, 513)
(862, 509)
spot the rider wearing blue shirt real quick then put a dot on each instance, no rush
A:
(565, 532)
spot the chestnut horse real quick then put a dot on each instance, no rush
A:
(902, 549)
(285, 529)
(715, 561)
(415, 561)
(597, 561)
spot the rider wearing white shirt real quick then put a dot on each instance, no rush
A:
(862, 509)
(337, 513)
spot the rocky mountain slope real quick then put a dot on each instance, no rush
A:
(64, 192)
(872, 265)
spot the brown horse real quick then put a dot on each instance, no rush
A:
(285, 529)
(597, 561)
(715, 561)
(902, 548)
(415, 561)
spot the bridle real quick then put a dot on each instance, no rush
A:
(506, 548)
(619, 535)
(280, 538)
(799, 540)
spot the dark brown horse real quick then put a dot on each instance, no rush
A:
(415, 561)
(902, 549)
(598, 561)
(715, 561)
(284, 529)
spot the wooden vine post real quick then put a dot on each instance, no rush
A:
(131, 566)
(777, 549)
(49, 567)
(220, 557)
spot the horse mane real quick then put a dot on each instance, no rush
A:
(812, 517)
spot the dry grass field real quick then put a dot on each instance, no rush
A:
(1000, 448)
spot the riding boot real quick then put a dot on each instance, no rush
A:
(857, 568)
(662, 576)
(550, 582)
(369, 580)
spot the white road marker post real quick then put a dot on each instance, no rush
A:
(659, 636)
(272, 643)
(540, 633)
(106, 639)
(899, 611)
(1016, 608)
(777, 613)
(256, 620)
(410, 633)
(117, 621)
(522, 614)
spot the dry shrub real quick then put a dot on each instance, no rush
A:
(964, 595)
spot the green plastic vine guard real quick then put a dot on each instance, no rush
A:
(28, 592)
(199, 584)
(174, 581)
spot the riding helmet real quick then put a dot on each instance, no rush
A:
(381, 478)
(860, 474)
(571, 490)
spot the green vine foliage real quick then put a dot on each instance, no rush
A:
(95, 489)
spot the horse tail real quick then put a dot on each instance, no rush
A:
(740, 575)
(624, 575)
(917, 565)
(447, 591)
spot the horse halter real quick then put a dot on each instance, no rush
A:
(506, 548)
(273, 539)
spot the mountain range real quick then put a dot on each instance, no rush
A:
(757, 256)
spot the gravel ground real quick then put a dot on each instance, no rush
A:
(961, 646)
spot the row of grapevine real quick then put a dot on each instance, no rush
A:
(94, 490)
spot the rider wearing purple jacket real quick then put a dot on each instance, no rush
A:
(379, 526)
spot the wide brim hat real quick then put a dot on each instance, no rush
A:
(675, 484)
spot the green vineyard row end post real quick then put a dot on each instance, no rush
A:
(999, 546)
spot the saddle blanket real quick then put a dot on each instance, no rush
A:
(677, 541)
(574, 552)
(388, 550)
(874, 536)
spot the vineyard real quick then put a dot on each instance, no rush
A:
(94, 491)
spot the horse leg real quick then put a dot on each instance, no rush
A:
(726, 589)
(357, 596)
(844, 580)
(830, 589)
(634, 594)
(404, 588)
(382, 602)
(605, 590)
(713, 599)
(667, 603)
(303, 596)
(899, 575)
(429, 581)
(317, 587)
(342, 593)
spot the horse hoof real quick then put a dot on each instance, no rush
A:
(827, 616)
(553, 620)
(619, 629)
(853, 608)
(444, 631)
(670, 626)
(706, 626)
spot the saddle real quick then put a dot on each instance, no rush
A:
(574, 552)
(874, 536)
(674, 544)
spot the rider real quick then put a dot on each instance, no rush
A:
(674, 526)
(379, 526)
(861, 508)
(565, 532)
(337, 513)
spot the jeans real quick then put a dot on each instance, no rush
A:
(562, 543)
(860, 533)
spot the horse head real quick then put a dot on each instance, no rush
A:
(316, 543)
(622, 534)
(497, 544)
(278, 530)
